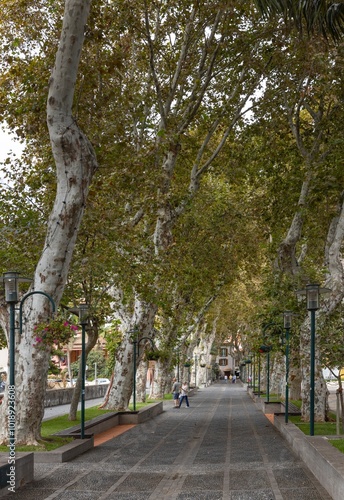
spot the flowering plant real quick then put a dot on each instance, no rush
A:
(58, 331)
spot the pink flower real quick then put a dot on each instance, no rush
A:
(73, 327)
(66, 323)
(38, 339)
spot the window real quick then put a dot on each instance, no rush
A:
(224, 352)
(223, 362)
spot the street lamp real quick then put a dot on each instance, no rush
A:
(267, 348)
(287, 319)
(11, 282)
(136, 354)
(312, 293)
(83, 319)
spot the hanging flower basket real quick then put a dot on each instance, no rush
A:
(56, 332)
(152, 355)
(187, 365)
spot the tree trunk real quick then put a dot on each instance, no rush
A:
(121, 390)
(162, 380)
(75, 163)
(92, 338)
(277, 375)
(141, 381)
(294, 382)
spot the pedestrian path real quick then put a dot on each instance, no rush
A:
(222, 447)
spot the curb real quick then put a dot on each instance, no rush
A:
(324, 460)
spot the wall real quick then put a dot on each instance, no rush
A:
(55, 397)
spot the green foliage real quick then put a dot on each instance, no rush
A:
(113, 338)
(93, 357)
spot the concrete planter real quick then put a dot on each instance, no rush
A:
(325, 461)
(93, 427)
(15, 475)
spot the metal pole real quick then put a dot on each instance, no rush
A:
(83, 369)
(178, 364)
(11, 388)
(268, 377)
(286, 375)
(312, 375)
(134, 381)
(259, 375)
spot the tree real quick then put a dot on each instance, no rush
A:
(75, 164)
(200, 75)
(320, 15)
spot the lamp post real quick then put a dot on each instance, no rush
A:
(259, 367)
(287, 318)
(136, 353)
(83, 317)
(312, 293)
(178, 361)
(11, 282)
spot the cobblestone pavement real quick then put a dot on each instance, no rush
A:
(222, 447)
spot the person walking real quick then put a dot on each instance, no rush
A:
(176, 392)
(184, 395)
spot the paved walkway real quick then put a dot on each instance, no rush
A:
(222, 447)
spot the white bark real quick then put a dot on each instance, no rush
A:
(142, 321)
(75, 164)
(277, 380)
(141, 381)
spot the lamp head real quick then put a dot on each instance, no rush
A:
(11, 282)
(83, 314)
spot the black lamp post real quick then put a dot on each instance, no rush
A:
(11, 282)
(83, 317)
(178, 361)
(312, 293)
(287, 317)
(267, 348)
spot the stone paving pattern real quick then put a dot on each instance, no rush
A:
(222, 447)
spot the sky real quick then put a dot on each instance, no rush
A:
(7, 144)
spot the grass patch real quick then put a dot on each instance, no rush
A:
(50, 427)
(61, 423)
(150, 401)
(320, 428)
(337, 443)
(272, 397)
(50, 442)
(46, 444)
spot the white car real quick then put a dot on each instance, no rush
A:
(102, 381)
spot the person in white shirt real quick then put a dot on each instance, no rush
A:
(184, 395)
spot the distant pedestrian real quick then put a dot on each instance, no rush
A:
(233, 379)
(226, 379)
(184, 395)
(176, 392)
